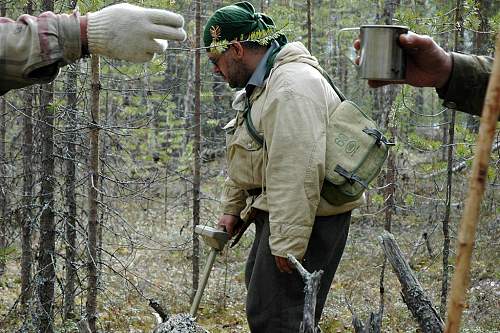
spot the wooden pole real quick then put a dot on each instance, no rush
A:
(477, 184)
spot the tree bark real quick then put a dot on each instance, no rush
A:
(27, 213)
(92, 283)
(414, 296)
(3, 187)
(3, 203)
(46, 256)
(70, 192)
(449, 180)
(196, 151)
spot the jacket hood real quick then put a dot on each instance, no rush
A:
(295, 52)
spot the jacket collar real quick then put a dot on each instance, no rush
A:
(261, 72)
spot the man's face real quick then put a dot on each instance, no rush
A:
(233, 69)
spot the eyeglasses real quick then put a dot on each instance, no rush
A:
(215, 61)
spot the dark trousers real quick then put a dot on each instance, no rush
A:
(275, 300)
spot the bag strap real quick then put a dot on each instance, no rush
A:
(248, 117)
(329, 79)
(250, 126)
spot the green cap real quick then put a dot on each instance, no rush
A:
(239, 22)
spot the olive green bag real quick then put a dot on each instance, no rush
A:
(355, 154)
(355, 150)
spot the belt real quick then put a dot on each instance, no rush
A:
(255, 192)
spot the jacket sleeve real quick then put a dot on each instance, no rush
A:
(33, 48)
(466, 88)
(233, 198)
(294, 125)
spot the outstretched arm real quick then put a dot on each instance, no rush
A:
(32, 49)
(460, 80)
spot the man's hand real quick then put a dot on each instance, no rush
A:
(428, 65)
(132, 33)
(284, 265)
(229, 223)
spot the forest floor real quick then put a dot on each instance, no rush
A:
(148, 255)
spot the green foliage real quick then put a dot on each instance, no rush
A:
(422, 143)
(377, 199)
(430, 167)
(409, 199)
(7, 253)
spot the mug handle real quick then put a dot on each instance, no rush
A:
(352, 53)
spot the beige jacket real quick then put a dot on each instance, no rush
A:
(291, 111)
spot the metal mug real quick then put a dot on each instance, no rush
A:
(382, 58)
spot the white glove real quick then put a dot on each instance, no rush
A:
(132, 33)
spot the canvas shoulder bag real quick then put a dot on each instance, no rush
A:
(355, 150)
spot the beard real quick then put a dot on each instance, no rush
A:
(238, 74)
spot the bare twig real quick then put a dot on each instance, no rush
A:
(312, 282)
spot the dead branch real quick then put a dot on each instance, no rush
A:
(414, 296)
(312, 282)
(159, 309)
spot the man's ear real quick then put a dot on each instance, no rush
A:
(239, 50)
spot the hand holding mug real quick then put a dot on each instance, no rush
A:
(428, 65)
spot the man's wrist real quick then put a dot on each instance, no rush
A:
(83, 36)
(446, 74)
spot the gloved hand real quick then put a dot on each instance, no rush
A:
(132, 33)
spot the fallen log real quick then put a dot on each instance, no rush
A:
(414, 296)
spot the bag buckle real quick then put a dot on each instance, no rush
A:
(379, 137)
(350, 176)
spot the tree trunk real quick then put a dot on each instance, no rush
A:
(46, 255)
(92, 283)
(70, 184)
(390, 176)
(3, 187)
(27, 213)
(451, 143)
(478, 178)
(3, 159)
(196, 150)
(446, 220)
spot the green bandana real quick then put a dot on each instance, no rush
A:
(239, 22)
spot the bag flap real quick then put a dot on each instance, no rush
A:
(349, 144)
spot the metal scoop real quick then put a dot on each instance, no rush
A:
(216, 239)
